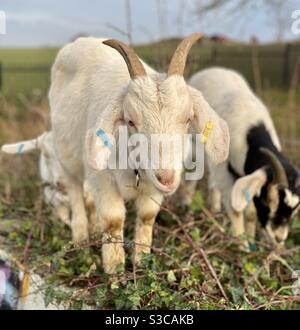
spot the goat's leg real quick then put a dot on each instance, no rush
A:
(93, 225)
(236, 218)
(238, 228)
(111, 214)
(186, 192)
(214, 191)
(237, 223)
(79, 222)
(92, 216)
(215, 200)
(251, 219)
(60, 209)
(63, 213)
(220, 177)
(147, 209)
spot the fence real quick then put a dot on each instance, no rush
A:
(27, 80)
(263, 66)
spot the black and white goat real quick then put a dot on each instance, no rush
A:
(256, 175)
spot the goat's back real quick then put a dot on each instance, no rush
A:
(231, 97)
(85, 73)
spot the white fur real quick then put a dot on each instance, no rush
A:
(91, 89)
(246, 188)
(291, 200)
(231, 97)
(51, 173)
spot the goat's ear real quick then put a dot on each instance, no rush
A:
(214, 130)
(246, 188)
(101, 138)
(24, 146)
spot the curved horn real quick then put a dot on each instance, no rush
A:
(278, 170)
(135, 66)
(179, 58)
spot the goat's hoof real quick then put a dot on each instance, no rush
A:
(215, 210)
(280, 246)
(113, 257)
(80, 239)
(66, 221)
(114, 269)
(138, 256)
(244, 246)
(80, 235)
(184, 209)
(82, 243)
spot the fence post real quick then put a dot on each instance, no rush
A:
(294, 82)
(214, 55)
(256, 68)
(1, 77)
(286, 65)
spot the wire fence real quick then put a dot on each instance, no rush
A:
(263, 66)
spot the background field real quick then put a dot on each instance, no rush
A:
(195, 263)
(27, 71)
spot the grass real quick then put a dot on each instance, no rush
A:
(27, 71)
(194, 263)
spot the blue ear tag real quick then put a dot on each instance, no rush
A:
(20, 149)
(103, 136)
(247, 196)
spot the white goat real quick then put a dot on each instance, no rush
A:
(91, 91)
(52, 176)
(256, 169)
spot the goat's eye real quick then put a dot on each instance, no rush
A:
(131, 123)
(188, 121)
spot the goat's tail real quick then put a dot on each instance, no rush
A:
(24, 146)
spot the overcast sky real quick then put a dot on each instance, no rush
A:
(55, 22)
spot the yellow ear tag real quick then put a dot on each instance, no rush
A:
(207, 131)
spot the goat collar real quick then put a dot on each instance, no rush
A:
(137, 178)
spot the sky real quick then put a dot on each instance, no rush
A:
(55, 22)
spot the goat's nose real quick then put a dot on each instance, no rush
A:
(166, 177)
